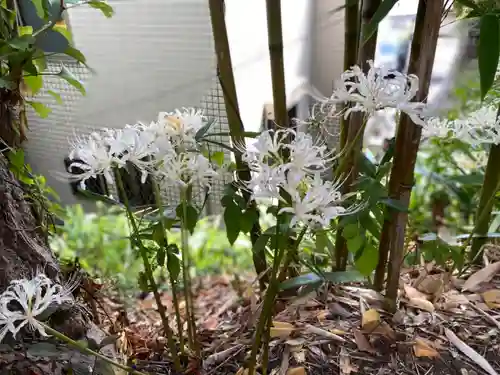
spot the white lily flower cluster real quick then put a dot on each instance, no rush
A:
(375, 91)
(314, 201)
(165, 149)
(25, 301)
(479, 127)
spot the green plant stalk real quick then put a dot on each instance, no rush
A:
(267, 307)
(88, 351)
(173, 283)
(236, 127)
(357, 120)
(149, 273)
(423, 50)
(488, 190)
(186, 277)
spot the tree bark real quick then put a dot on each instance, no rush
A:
(23, 250)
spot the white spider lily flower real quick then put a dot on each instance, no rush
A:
(25, 301)
(93, 158)
(374, 91)
(476, 128)
(267, 145)
(306, 154)
(318, 205)
(182, 125)
(187, 168)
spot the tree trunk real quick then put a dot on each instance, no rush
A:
(23, 250)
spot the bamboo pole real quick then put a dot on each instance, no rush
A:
(423, 50)
(236, 127)
(351, 40)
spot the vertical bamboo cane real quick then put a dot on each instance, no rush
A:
(236, 127)
(423, 50)
(351, 39)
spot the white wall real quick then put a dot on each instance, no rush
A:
(151, 56)
(247, 30)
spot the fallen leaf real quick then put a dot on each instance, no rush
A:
(362, 342)
(298, 342)
(421, 304)
(411, 292)
(469, 352)
(482, 276)
(370, 319)
(337, 331)
(281, 329)
(432, 284)
(242, 371)
(492, 298)
(296, 371)
(322, 332)
(211, 323)
(424, 348)
(323, 315)
(345, 363)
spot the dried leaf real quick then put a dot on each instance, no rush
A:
(362, 342)
(298, 342)
(324, 333)
(423, 348)
(281, 329)
(296, 371)
(411, 292)
(482, 276)
(345, 363)
(421, 304)
(492, 298)
(370, 320)
(469, 352)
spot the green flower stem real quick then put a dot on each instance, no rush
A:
(265, 319)
(84, 349)
(173, 282)
(488, 192)
(186, 267)
(149, 273)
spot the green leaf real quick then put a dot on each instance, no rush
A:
(367, 261)
(354, 244)
(467, 3)
(315, 279)
(394, 204)
(173, 265)
(6, 83)
(248, 219)
(34, 83)
(191, 216)
(56, 96)
(66, 74)
(371, 225)
(261, 243)
(104, 7)
(159, 235)
(16, 158)
(488, 51)
(382, 11)
(232, 218)
(64, 32)
(76, 54)
(383, 170)
(41, 109)
(366, 166)
(22, 43)
(203, 130)
(143, 282)
(25, 30)
(40, 11)
(495, 224)
(218, 157)
(350, 231)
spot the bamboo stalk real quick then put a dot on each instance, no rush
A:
(488, 189)
(236, 127)
(351, 40)
(275, 41)
(423, 50)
